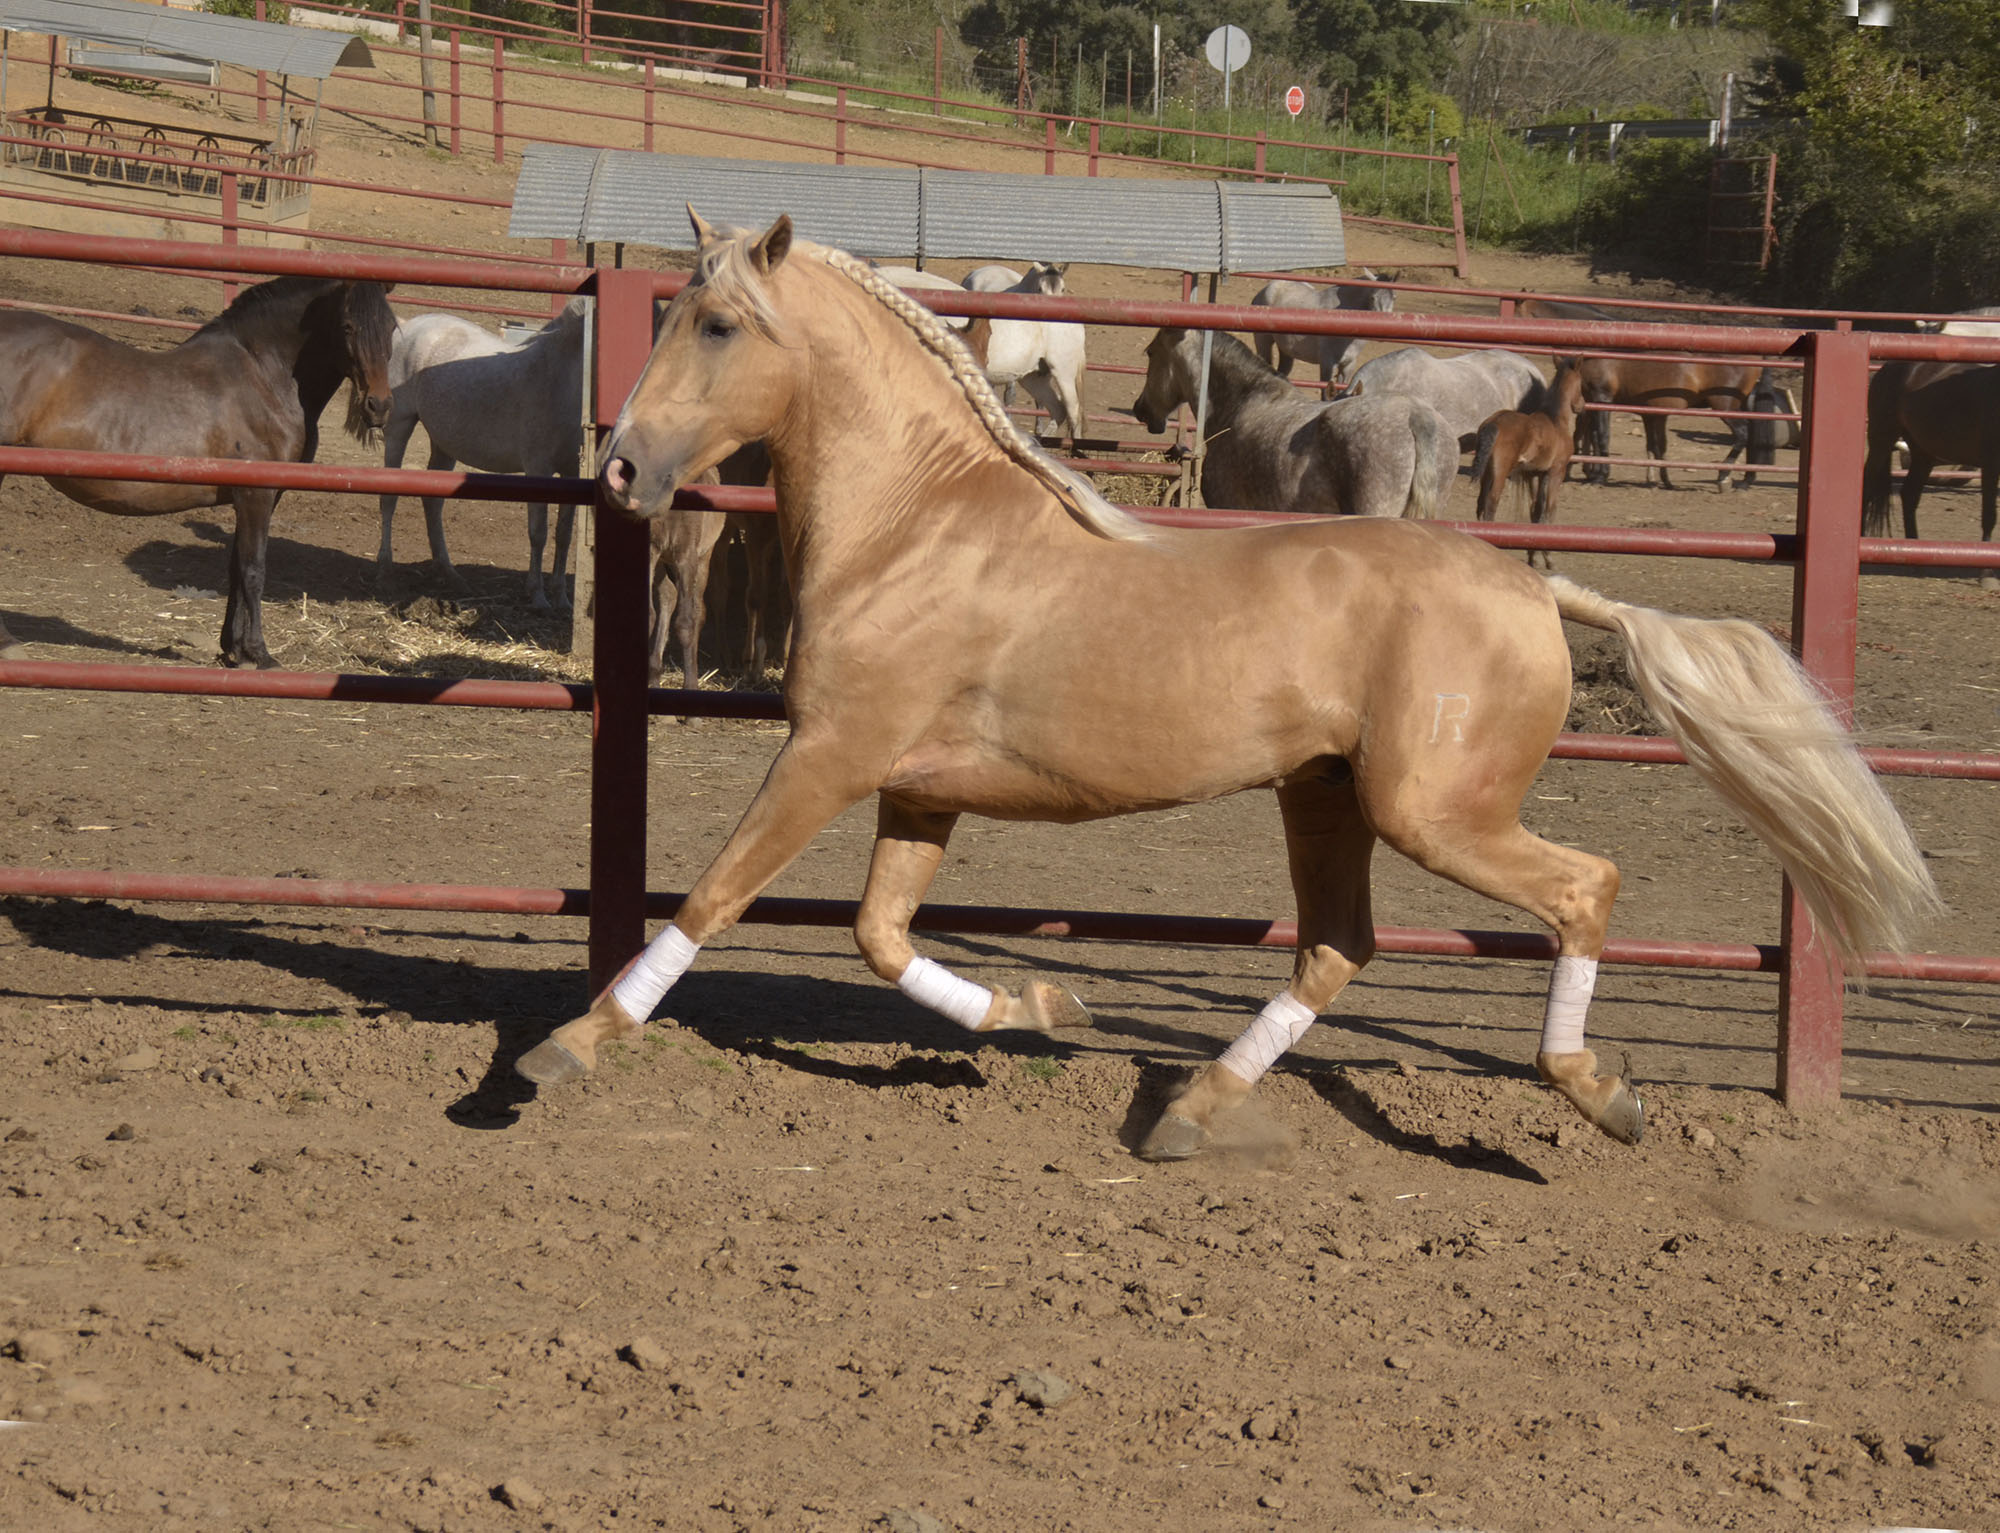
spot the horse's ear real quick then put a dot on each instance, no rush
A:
(704, 231)
(773, 245)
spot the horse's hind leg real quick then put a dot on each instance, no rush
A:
(10, 647)
(243, 613)
(441, 565)
(538, 539)
(1329, 846)
(559, 565)
(909, 846)
(1989, 481)
(1478, 842)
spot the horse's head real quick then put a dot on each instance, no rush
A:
(368, 333)
(1046, 278)
(719, 376)
(1169, 378)
(1566, 395)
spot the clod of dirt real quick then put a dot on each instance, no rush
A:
(518, 1494)
(145, 1057)
(123, 1134)
(647, 1355)
(1044, 1391)
(20, 1136)
(38, 1349)
(902, 1520)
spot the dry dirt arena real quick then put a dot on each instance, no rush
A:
(284, 1245)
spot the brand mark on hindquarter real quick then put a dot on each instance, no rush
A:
(1453, 708)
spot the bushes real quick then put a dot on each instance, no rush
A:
(1652, 211)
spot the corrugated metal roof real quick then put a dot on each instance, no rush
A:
(189, 35)
(622, 194)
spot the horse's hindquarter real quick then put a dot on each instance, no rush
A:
(1135, 676)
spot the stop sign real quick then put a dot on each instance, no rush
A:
(1295, 100)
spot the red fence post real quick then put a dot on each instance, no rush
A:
(1825, 607)
(454, 92)
(1458, 221)
(1262, 145)
(263, 78)
(1091, 163)
(1049, 149)
(840, 125)
(499, 101)
(229, 215)
(648, 130)
(559, 250)
(583, 27)
(618, 723)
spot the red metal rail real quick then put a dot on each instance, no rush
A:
(1826, 550)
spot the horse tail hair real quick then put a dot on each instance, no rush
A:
(1762, 734)
(1427, 433)
(1489, 432)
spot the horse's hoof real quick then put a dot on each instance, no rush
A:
(548, 1063)
(1173, 1138)
(1624, 1116)
(1051, 1006)
(1608, 1101)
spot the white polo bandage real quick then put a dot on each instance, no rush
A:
(1570, 988)
(652, 974)
(933, 985)
(1282, 1023)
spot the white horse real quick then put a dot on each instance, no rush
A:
(499, 407)
(1044, 356)
(1334, 354)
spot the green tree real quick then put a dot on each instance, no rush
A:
(1371, 43)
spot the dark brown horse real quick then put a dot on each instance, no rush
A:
(251, 383)
(1655, 382)
(1532, 449)
(1658, 383)
(1949, 412)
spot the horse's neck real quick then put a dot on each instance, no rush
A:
(274, 337)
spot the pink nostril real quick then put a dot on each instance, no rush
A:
(618, 477)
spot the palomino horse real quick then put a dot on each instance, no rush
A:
(251, 383)
(1530, 450)
(505, 407)
(1335, 355)
(1464, 389)
(1272, 447)
(979, 631)
(1948, 412)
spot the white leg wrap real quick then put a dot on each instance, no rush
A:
(652, 974)
(1570, 989)
(933, 985)
(1282, 1023)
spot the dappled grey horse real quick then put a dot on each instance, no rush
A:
(1467, 390)
(505, 408)
(1272, 448)
(1334, 354)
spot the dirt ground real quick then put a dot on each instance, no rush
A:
(284, 1244)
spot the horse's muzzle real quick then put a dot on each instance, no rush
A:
(1146, 418)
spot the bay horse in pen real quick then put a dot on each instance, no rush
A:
(1530, 450)
(251, 383)
(979, 631)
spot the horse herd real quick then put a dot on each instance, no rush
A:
(1383, 438)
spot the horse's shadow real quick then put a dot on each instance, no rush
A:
(31, 629)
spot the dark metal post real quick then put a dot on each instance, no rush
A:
(1825, 608)
(499, 101)
(618, 662)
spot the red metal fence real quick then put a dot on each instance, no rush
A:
(1825, 551)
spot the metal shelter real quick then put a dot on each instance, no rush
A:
(148, 175)
(627, 196)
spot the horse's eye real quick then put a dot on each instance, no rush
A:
(716, 328)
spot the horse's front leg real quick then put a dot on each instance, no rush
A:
(243, 615)
(538, 538)
(809, 783)
(441, 565)
(1656, 448)
(909, 846)
(559, 565)
(395, 442)
(1989, 480)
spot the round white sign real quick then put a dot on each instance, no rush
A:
(1228, 48)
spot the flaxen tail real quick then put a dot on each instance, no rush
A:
(1761, 733)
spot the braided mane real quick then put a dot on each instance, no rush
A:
(725, 268)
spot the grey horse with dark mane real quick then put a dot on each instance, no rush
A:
(1335, 355)
(1272, 448)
